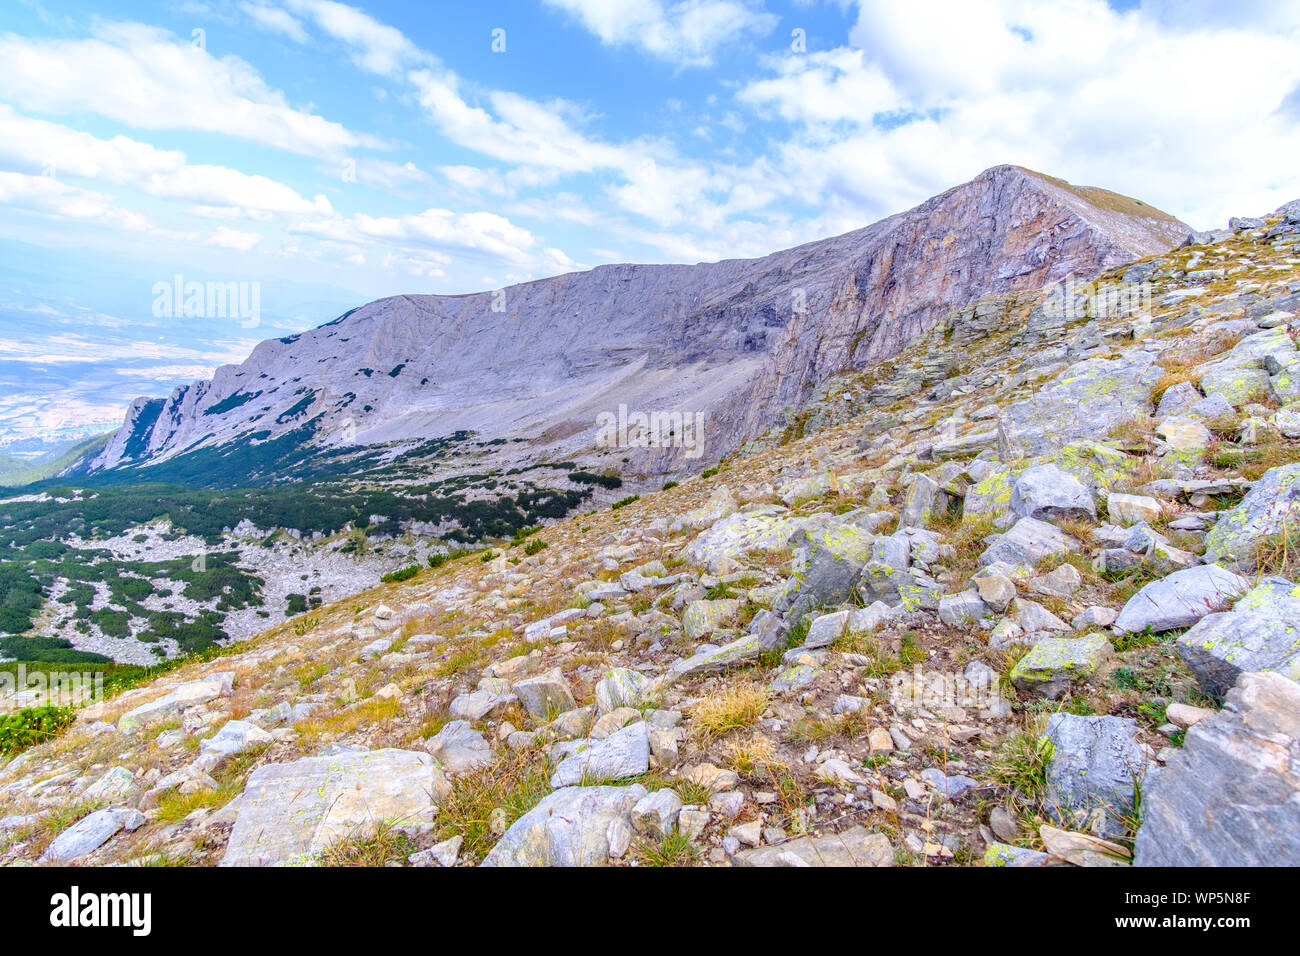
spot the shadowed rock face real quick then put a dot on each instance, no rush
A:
(739, 340)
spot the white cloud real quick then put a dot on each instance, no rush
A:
(122, 161)
(227, 238)
(161, 82)
(47, 195)
(375, 46)
(276, 20)
(683, 32)
(1124, 100)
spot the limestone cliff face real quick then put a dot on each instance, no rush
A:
(738, 340)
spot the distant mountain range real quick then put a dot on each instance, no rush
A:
(584, 366)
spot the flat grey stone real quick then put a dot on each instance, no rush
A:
(1231, 795)
(290, 812)
(625, 753)
(854, 847)
(1096, 764)
(459, 748)
(569, 827)
(1180, 599)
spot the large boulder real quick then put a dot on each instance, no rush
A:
(290, 812)
(837, 553)
(1271, 507)
(1049, 494)
(189, 694)
(1181, 599)
(1260, 633)
(701, 618)
(1095, 767)
(1231, 795)
(1087, 399)
(1054, 664)
(625, 753)
(1028, 542)
(728, 540)
(459, 748)
(570, 827)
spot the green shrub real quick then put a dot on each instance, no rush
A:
(401, 574)
(624, 502)
(534, 546)
(31, 726)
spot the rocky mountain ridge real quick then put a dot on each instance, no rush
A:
(740, 342)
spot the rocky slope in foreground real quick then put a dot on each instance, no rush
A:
(739, 341)
(957, 627)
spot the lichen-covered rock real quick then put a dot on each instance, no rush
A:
(729, 539)
(570, 827)
(1260, 633)
(701, 618)
(1271, 506)
(886, 569)
(1002, 854)
(989, 499)
(1181, 599)
(795, 677)
(923, 500)
(1054, 664)
(290, 812)
(837, 553)
(1086, 400)
(1231, 795)
(1095, 767)
(1236, 384)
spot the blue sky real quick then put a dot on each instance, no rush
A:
(335, 153)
